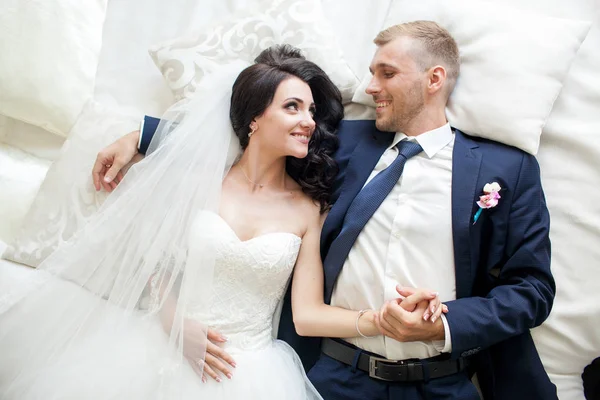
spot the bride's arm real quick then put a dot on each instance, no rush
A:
(312, 317)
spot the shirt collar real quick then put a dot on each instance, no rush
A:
(431, 141)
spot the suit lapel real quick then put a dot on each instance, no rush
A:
(361, 164)
(466, 163)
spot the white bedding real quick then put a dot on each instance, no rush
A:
(568, 155)
(17, 191)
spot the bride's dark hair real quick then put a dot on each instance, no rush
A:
(253, 92)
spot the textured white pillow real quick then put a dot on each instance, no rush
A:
(20, 177)
(50, 52)
(513, 65)
(187, 60)
(67, 197)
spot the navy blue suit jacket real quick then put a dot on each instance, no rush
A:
(504, 286)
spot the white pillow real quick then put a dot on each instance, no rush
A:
(49, 51)
(67, 197)
(186, 61)
(513, 65)
(30, 138)
(20, 177)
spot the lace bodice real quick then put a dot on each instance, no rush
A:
(250, 278)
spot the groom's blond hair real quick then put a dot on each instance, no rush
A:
(438, 47)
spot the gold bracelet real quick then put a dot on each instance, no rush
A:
(360, 314)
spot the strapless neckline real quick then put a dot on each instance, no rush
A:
(262, 235)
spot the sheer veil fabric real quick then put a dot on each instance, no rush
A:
(131, 264)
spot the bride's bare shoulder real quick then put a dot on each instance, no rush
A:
(309, 208)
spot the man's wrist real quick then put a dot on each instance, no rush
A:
(439, 332)
(140, 132)
(444, 345)
(134, 138)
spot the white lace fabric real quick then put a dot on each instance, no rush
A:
(250, 278)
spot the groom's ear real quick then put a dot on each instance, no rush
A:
(437, 79)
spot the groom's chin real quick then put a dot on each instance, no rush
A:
(384, 126)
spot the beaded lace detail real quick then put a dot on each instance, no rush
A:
(250, 278)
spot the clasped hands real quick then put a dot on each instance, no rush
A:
(413, 316)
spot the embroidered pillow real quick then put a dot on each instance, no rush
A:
(185, 61)
(67, 197)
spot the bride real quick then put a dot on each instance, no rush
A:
(170, 290)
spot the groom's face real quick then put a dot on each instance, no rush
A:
(397, 86)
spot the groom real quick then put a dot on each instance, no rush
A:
(419, 225)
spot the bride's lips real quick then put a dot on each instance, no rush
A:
(302, 137)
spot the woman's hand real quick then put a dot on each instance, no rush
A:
(204, 354)
(411, 297)
(210, 362)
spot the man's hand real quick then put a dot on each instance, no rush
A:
(113, 161)
(411, 297)
(404, 319)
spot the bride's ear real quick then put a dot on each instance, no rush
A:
(253, 128)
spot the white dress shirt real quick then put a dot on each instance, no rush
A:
(407, 242)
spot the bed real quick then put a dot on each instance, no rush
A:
(120, 75)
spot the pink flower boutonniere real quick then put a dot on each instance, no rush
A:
(489, 199)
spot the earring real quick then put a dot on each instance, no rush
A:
(252, 130)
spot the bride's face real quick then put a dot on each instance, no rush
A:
(287, 125)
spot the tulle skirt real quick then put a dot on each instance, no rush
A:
(128, 363)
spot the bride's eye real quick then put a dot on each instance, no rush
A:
(291, 106)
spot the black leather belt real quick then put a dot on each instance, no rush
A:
(389, 370)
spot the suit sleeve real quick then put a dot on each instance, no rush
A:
(147, 131)
(523, 297)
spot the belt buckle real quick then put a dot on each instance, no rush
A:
(373, 367)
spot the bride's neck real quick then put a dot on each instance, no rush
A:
(262, 170)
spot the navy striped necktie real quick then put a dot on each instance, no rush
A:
(362, 209)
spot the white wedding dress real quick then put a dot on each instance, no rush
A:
(250, 278)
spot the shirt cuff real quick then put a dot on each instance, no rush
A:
(444, 346)
(141, 133)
